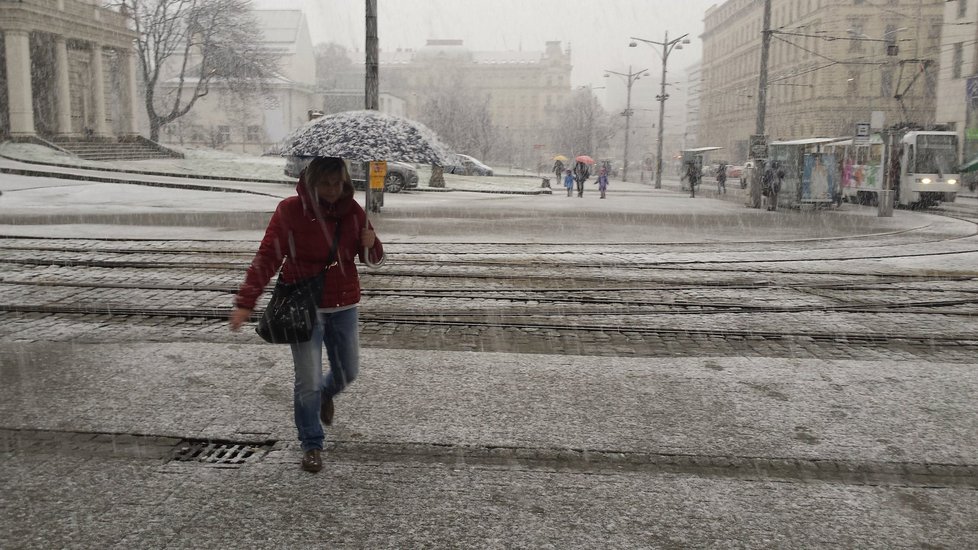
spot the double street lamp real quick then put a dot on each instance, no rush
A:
(630, 77)
(667, 47)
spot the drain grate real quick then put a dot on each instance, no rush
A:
(208, 451)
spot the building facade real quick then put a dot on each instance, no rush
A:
(832, 63)
(254, 124)
(694, 81)
(66, 69)
(522, 90)
(957, 84)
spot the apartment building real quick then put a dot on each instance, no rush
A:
(832, 63)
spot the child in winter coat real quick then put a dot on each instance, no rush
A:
(603, 182)
(569, 182)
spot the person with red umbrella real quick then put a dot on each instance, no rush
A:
(582, 171)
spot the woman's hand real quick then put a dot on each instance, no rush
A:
(237, 318)
(368, 237)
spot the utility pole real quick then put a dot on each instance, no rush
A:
(667, 47)
(630, 77)
(371, 94)
(759, 130)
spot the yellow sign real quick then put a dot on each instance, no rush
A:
(378, 171)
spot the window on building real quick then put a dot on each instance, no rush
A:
(856, 30)
(254, 133)
(852, 84)
(957, 60)
(890, 36)
(886, 83)
(962, 8)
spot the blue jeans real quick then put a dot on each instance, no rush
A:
(338, 332)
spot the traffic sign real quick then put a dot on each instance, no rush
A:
(757, 146)
(378, 170)
(862, 133)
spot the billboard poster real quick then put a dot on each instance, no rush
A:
(818, 180)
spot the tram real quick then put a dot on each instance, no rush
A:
(923, 163)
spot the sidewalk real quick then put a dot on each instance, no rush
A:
(454, 449)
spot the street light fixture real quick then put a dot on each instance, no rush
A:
(630, 77)
(667, 47)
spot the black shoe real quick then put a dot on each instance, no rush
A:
(326, 410)
(312, 461)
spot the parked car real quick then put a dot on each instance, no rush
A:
(734, 171)
(468, 166)
(399, 175)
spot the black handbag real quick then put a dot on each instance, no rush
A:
(290, 316)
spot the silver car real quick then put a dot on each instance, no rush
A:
(468, 166)
(399, 175)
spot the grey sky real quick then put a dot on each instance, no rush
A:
(597, 30)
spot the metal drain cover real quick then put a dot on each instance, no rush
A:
(210, 451)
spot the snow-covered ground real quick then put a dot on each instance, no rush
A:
(210, 163)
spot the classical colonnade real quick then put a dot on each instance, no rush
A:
(74, 27)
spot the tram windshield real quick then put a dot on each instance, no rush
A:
(936, 154)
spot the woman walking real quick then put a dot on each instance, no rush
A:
(300, 239)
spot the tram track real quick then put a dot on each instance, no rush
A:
(568, 300)
(501, 323)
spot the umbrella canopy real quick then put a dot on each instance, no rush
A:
(367, 136)
(970, 166)
(585, 159)
(561, 158)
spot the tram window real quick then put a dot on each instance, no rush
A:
(861, 155)
(909, 162)
(875, 154)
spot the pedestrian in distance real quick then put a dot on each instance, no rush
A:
(692, 174)
(603, 182)
(581, 174)
(722, 179)
(300, 239)
(771, 181)
(569, 183)
(558, 169)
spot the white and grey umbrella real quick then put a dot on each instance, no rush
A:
(363, 136)
(366, 136)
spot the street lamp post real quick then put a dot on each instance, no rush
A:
(630, 77)
(667, 47)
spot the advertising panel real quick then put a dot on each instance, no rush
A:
(818, 180)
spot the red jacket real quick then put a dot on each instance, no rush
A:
(301, 233)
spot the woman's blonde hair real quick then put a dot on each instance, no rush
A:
(320, 167)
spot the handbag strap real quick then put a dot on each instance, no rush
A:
(331, 259)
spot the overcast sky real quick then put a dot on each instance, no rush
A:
(598, 31)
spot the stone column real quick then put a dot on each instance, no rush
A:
(132, 94)
(62, 87)
(98, 90)
(19, 93)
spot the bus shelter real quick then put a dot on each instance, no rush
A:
(810, 172)
(693, 161)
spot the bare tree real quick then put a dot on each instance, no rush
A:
(461, 117)
(196, 43)
(332, 60)
(583, 126)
